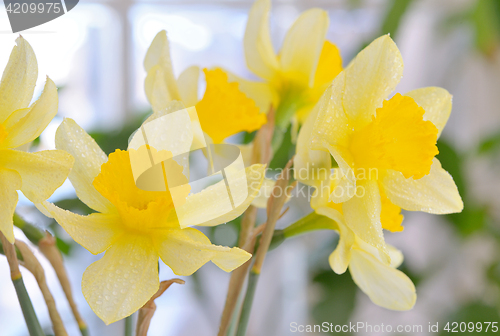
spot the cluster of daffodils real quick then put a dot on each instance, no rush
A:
(385, 152)
(368, 155)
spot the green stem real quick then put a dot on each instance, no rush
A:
(18, 253)
(311, 222)
(129, 325)
(30, 317)
(253, 278)
(233, 326)
(84, 331)
(33, 233)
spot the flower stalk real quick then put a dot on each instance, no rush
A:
(30, 317)
(47, 245)
(274, 209)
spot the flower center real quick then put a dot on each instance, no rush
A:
(141, 210)
(397, 138)
(225, 110)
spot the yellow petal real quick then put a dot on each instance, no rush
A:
(225, 110)
(259, 52)
(88, 160)
(123, 280)
(209, 206)
(34, 122)
(18, 79)
(329, 65)
(340, 258)
(262, 93)
(371, 77)
(396, 256)
(390, 214)
(42, 172)
(436, 102)
(398, 138)
(185, 251)
(188, 85)
(10, 182)
(302, 46)
(95, 232)
(156, 89)
(332, 125)
(159, 54)
(310, 166)
(386, 286)
(434, 193)
(362, 214)
(346, 181)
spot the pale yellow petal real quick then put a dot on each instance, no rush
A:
(396, 256)
(331, 125)
(436, 102)
(340, 258)
(209, 206)
(259, 52)
(385, 285)
(370, 78)
(34, 122)
(302, 46)
(41, 172)
(310, 166)
(123, 280)
(95, 232)
(18, 79)
(188, 85)
(88, 160)
(156, 89)
(158, 54)
(262, 93)
(362, 214)
(186, 250)
(345, 179)
(434, 193)
(10, 182)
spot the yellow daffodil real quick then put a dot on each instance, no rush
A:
(223, 111)
(135, 227)
(385, 149)
(293, 80)
(39, 174)
(371, 270)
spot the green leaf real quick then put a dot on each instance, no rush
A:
(392, 20)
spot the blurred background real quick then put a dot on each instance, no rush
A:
(94, 54)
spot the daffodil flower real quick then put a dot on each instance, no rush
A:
(39, 174)
(293, 80)
(373, 270)
(385, 149)
(223, 111)
(134, 227)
